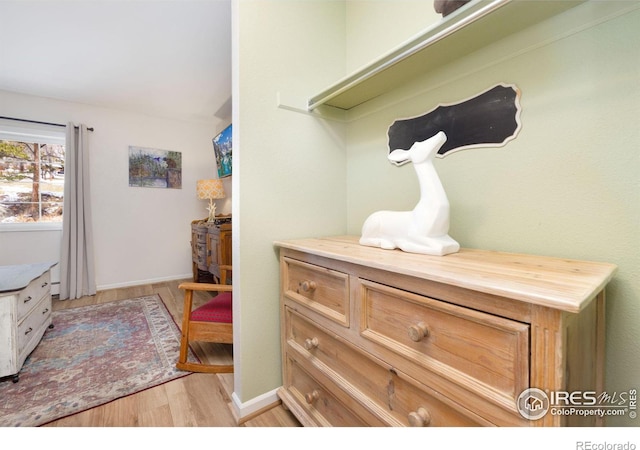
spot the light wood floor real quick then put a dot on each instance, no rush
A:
(197, 400)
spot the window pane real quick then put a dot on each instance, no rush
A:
(31, 182)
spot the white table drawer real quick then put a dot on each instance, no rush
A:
(34, 324)
(33, 293)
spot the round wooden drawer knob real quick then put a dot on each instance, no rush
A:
(311, 343)
(418, 332)
(308, 286)
(312, 396)
(419, 418)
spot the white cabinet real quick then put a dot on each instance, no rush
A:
(25, 313)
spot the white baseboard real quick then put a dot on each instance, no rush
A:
(246, 409)
(104, 287)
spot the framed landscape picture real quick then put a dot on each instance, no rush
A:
(150, 167)
(222, 146)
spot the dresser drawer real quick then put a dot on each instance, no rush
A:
(200, 232)
(472, 348)
(33, 293)
(416, 405)
(201, 255)
(32, 327)
(319, 404)
(323, 290)
(398, 401)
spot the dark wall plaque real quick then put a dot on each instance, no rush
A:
(491, 118)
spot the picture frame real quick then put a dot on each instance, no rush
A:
(155, 168)
(223, 149)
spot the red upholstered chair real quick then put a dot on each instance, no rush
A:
(211, 322)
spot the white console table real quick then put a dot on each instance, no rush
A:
(25, 313)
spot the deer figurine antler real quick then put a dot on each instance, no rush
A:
(424, 229)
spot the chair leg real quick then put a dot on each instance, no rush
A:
(184, 341)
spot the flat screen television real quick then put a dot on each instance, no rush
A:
(222, 146)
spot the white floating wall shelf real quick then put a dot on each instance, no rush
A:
(470, 28)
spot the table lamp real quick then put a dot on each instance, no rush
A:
(210, 190)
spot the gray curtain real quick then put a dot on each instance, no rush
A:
(77, 271)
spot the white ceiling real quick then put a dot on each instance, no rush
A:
(164, 58)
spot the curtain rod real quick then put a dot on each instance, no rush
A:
(38, 122)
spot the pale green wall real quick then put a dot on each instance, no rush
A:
(568, 186)
(289, 168)
(375, 27)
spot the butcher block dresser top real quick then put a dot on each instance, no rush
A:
(558, 283)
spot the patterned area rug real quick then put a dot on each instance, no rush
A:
(93, 355)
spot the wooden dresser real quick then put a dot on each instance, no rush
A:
(25, 313)
(211, 244)
(374, 337)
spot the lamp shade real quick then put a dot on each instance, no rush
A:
(210, 189)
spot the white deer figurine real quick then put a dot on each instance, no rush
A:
(425, 229)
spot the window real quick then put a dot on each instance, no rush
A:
(31, 176)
